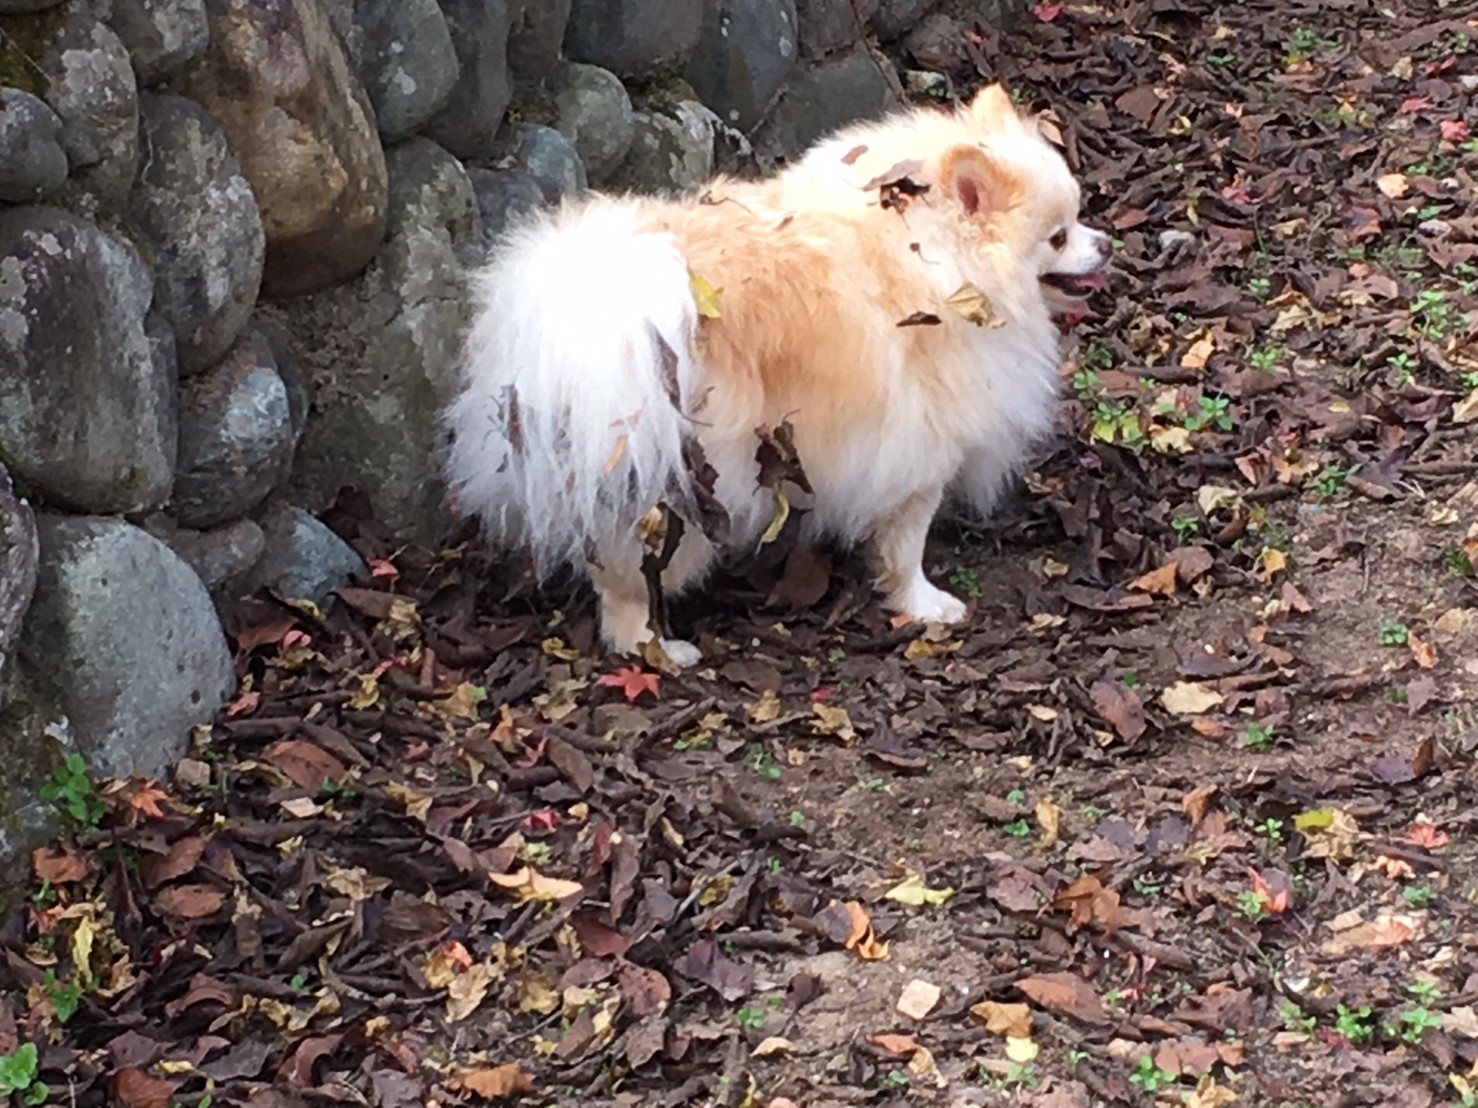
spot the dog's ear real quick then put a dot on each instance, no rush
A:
(982, 184)
(992, 111)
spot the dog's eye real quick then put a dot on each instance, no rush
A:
(1058, 239)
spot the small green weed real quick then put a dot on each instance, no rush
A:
(1018, 829)
(70, 789)
(757, 758)
(1259, 286)
(1424, 991)
(1249, 903)
(1265, 358)
(1257, 736)
(1393, 633)
(964, 580)
(64, 998)
(1355, 1024)
(1271, 829)
(1185, 527)
(1210, 411)
(1330, 481)
(18, 1075)
(1457, 562)
(1294, 1019)
(751, 1019)
(1149, 1076)
(1418, 896)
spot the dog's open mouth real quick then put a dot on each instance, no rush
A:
(1076, 284)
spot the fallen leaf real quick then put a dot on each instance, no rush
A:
(773, 1045)
(1193, 804)
(131, 1087)
(632, 681)
(1392, 184)
(1008, 1020)
(1021, 1050)
(189, 901)
(529, 884)
(1423, 653)
(918, 999)
(1159, 582)
(915, 894)
(705, 296)
(1190, 698)
(305, 764)
(58, 865)
(495, 1083)
(1066, 994)
(894, 1043)
(1120, 708)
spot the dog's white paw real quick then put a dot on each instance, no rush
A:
(926, 603)
(681, 653)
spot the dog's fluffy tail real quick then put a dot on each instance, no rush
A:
(578, 373)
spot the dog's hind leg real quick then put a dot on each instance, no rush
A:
(625, 605)
(898, 547)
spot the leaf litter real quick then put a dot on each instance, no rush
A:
(1183, 810)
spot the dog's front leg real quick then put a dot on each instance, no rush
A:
(898, 547)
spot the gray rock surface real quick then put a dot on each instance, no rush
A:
(895, 18)
(633, 37)
(503, 197)
(410, 66)
(829, 26)
(89, 83)
(380, 377)
(197, 217)
(827, 97)
(277, 80)
(670, 153)
(535, 36)
(18, 554)
(23, 7)
(87, 395)
(468, 124)
(222, 554)
(35, 738)
(549, 158)
(744, 54)
(593, 111)
(303, 559)
(938, 44)
(162, 36)
(299, 394)
(32, 162)
(236, 436)
(135, 635)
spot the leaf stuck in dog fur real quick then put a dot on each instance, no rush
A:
(705, 295)
(851, 156)
(921, 319)
(969, 302)
(777, 521)
(896, 176)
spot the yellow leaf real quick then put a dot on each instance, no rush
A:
(1199, 352)
(1392, 184)
(555, 647)
(529, 884)
(766, 708)
(415, 804)
(832, 721)
(777, 521)
(1020, 1051)
(1273, 562)
(1158, 582)
(924, 648)
(82, 945)
(367, 695)
(1049, 816)
(1466, 409)
(1190, 698)
(915, 894)
(772, 1046)
(615, 458)
(1009, 1020)
(1166, 439)
(969, 302)
(705, 296)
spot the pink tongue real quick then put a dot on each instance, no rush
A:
(1071, 318)
(1091, 280)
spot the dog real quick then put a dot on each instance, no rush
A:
(889, 306)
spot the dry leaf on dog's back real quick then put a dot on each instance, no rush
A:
(1066, 994)
(705, 296)
(1190, 698)
(1120, 708)
(969, 302)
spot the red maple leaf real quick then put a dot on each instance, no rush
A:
(1046, 12)
(383, 570)
(1427, 835)
(545, 819)
(146, 800)
(1453, 130)
(821, 692)
(1414, 104)
(1273, 904)
(632, 681)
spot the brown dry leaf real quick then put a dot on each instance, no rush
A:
(832, 721)
(918, 999)
(1199, 352)
(1066, 994)
(860, 935)
(1159, 582)
(189, 901)
(1422, 652)
(1392, 184)
(495, 1083)
(131, 1087)
(1466, 409)
(1383, 931)
(1190, 698)
(156, 870)
(1193, 804)
(305, 764)
(529, 884)
(466, 991)
(59, 865)
(1191, 562)
(1185, 1056)
(1013, 1021)
(1120, 708)
(1089, 902)
(1049, 819)
(1208, 1094)
(975, 306)
(894, 1043)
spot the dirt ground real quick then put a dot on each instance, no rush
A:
(1184, 814)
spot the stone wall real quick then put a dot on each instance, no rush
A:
(233, 241)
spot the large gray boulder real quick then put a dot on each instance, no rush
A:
(410, 66)
(671, 151)
(87, 79)
(468, 124)
(33, 164)
(744, 54)
(35, 738)
(895, 18)
(381, 354)
(535, 34)
(87, 386)
(236, 436)
(829, 26)
(195, 213)
(303, 558)
(277, 80)
(593, 111)
(633, 38)
(162, 36)
(130, 639)
(827, 97)
(18, 554)
(504, 196)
